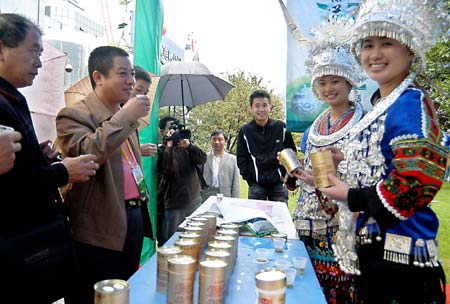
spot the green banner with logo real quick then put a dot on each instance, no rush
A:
(147, 39)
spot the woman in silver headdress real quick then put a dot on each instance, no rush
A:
(395, 157)
(334, 72)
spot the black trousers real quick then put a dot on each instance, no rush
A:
(384, 282)
(275, 192)
(161, 224)
(97, 264)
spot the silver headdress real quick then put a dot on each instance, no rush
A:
(329, 54)
(329, 50)
(417, 24)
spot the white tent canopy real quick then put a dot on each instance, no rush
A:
(46, 96)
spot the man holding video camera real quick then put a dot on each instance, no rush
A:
(178, 183)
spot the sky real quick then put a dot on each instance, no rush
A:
(232, 35)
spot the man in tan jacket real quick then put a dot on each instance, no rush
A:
(220, 170)
(108, 214)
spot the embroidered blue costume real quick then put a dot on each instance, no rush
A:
(395, 158)
(403, 165)
(394, 170)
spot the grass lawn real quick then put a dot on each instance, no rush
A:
(441, 205)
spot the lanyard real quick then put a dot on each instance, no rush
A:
(125, 154)
(136, 171)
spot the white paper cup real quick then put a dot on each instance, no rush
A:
(260, 264)
(282, 265)
(262, 253)
(290, 277)
(299, 264)
(278, 244)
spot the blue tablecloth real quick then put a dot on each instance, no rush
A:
(241, 289)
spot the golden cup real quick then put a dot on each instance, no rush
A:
(322, 165)
(289, 160)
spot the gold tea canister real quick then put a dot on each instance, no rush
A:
(271, 286)
(322, 165)
(212, 223)
(230, 226)
(222, 255)
(212, 282)
(204, 227)
(112, 292)
(197, 224)
(200, 218)
(220, 246)
(192, 236)
(180, 286)
(289, 160)
(204, 220)
(189, 247)
(218, 254)
(227, 246)
(232, 233)
(164, 253)
(231, 241)
(198, 230)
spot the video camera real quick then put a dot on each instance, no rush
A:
(180, 132)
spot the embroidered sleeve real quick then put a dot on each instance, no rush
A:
(419, 169)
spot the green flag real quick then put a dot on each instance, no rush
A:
(147, 40)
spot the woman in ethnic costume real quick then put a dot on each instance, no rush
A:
(334, 72)
(395, 157)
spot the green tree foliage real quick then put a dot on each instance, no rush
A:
(231, 113)
(436, 79)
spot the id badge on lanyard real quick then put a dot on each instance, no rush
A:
(137, 173)
(138, 176)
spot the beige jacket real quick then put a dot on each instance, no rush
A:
(96, 208)
(229, 181)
